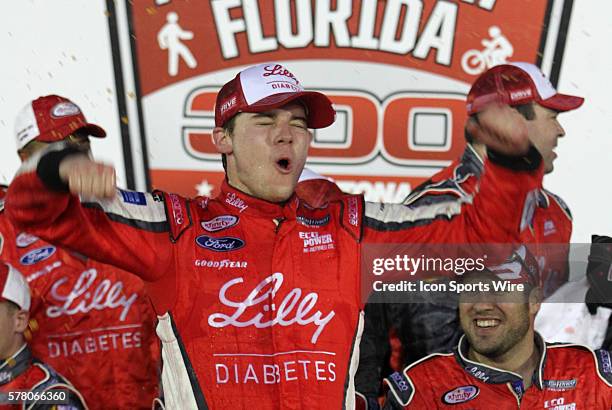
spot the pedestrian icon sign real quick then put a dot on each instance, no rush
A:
(170, 38)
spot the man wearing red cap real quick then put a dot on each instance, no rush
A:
(525, 88)
(258, 293)
(20, 373)
(501, 362)
(92, 322)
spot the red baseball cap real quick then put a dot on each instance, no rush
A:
(520, 267)
(515, 84)
(51, 118)
(268, 86)
(13, 287)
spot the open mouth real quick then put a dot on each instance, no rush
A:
(283, 165)
(486, 323)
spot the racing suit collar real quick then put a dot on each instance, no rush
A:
(487, 374)
(472, 164)
(18, 363)
(234, 199)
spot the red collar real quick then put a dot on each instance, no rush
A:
(240, 203)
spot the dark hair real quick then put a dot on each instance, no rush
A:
(526, 110)
(228, 127)
(12, 306)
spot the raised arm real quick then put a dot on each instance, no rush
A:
(123, 228)
(500, 208)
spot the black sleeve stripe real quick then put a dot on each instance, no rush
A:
(157, 227)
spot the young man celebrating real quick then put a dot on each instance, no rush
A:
(258, 294)
(501, 362)
(19, 371)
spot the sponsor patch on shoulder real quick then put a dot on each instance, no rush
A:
(220, 222)
(133, 197)
(313, 222)
(221, 244)
(25, 239)
(560, 385)
(37, 255)
(461, 394)
(606, 362)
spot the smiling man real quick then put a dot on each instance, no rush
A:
(257, 292)
(501, 362)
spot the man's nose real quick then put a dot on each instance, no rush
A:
(560, 130)
(283, 133)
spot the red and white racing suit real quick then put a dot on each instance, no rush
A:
(548, 234)
(569, 377)
(92, 322)
(259, 302)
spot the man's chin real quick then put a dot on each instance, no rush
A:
(278, 195)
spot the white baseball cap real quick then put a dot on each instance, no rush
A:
(268, 86)
(51, 118)
(13, 287)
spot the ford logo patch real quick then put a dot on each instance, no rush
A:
(37, 255)
(461, 394)
(222, 244)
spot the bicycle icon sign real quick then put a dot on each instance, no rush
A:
(497, 51)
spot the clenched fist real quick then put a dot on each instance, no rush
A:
(502, 129)
(88, 178)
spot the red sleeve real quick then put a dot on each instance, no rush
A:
(502, 206)
(130, 231)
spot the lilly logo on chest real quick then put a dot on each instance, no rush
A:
(293, 309)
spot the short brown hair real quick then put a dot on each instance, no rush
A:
(228, 127)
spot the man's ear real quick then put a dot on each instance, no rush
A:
(222, 140)
(21, 320)
(22, 155)
(535, 300)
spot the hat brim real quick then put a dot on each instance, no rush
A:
(65, 130)
(562, 102)
(93, 130)
(320, 113)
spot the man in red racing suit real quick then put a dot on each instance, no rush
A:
(25, 381)
(92, 322)
(568, 377)
(259, 295)
(501, 362)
